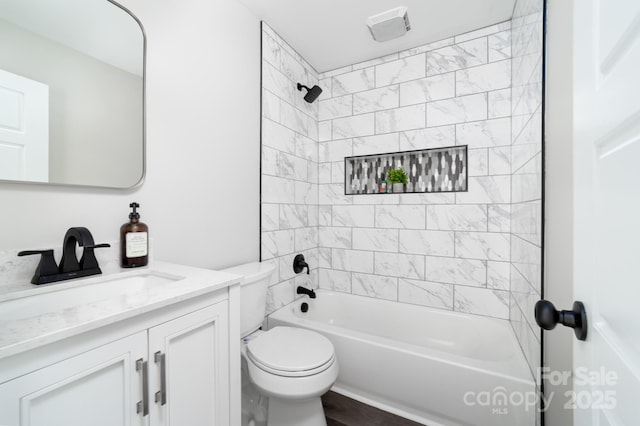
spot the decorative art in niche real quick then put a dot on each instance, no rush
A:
(427, 170)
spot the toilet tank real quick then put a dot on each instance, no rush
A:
(253, 294)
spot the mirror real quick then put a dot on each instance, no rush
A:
(71, 93)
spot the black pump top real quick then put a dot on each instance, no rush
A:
(134, 214)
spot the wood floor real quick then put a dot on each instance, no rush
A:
(343, 411)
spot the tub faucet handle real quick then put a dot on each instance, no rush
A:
(299, 264)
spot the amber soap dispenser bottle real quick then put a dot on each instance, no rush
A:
(134, 241)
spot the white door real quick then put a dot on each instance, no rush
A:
(189, 369)
(24, 128)
(100, 387)
(607, 210)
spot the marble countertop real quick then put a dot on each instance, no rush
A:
(37, 315)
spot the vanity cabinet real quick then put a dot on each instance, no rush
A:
(176, 370)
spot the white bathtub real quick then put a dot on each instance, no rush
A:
(433, 366)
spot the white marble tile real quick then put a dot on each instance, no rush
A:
(526, 186)
(271, 50)
(478, 162)
(357, 125)
(458, 56)
(486, 190)
(486, 133)
(409, 68)
(483, 31)
(278, 136)
(432, 137)
(376, 100)
(270, 161)
(400, 217)
(285, 268)
(427, 47)
(326, 84)
(324, 214)
(292, 167)
(277, 190)
(352, 260)
(332, 194)
(341, 106)
(306, 238)
(457, 110)
(270, 217)
(498, 275)
(332, 279)
(375, 61)
(305, 193)
(499, 103)
(293, 216)
(335, 150)
(377, 286)
(500, 160)
(484, 78)
(337, 172)
(312, 216)
(298, 121)
(355, 216)
(294, 69)
(483, 245)
(335, 72)
(324, 172)
(399, 119)
(526, 221)
(325, 131)
(499, 217)
(399, 265)
(481, 301)
(279, 295)
(428, 89)
(277, 83)
(521, 154)
(324, 257)
(457, 217)
(431, 198)
(425, 293)
(499, 46)
(456, 271)
(373, 199)
(277, 243)
(352, 82)
(270, 106)
(335, 237)
(375, 239)
(306, 148)
(376, 144)
(432, 243)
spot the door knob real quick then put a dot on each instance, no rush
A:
(547, 317)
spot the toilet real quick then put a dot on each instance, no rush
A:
(288, 367)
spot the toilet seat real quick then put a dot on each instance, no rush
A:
(291, 352)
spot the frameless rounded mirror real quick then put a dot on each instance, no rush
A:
(71, 93)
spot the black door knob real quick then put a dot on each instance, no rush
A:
(547, 317)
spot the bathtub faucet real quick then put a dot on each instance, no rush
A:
(299, 264)
(302, 290)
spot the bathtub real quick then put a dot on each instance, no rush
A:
(432, 366)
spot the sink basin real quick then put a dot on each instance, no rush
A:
(103, 290)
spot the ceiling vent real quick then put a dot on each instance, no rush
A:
(388, 25)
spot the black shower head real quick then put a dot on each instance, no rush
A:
(312, 94)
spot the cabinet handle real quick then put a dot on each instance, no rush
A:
(144, 404)
(161, 395)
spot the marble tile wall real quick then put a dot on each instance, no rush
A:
(526, 175)
(449, 251)
(289, 208)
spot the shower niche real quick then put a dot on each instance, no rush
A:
(426, 171)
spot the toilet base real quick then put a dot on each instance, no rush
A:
(289, 412)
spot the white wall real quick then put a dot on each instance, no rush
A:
(200, 196)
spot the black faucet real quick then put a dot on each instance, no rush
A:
(302, 290)
(299, 264)
(47, 270)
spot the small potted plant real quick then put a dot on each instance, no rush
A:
(397, 179)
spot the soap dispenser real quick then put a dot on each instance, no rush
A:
(134, 241)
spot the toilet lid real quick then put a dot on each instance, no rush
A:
(288, 349)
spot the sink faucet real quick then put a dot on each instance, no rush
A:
(47, 270)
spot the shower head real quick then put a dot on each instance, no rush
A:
(312, 94)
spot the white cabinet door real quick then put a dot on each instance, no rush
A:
(99, 388)
(194, 349)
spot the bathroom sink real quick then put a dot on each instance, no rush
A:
(101, 290)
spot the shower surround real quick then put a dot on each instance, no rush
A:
(445, 250)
